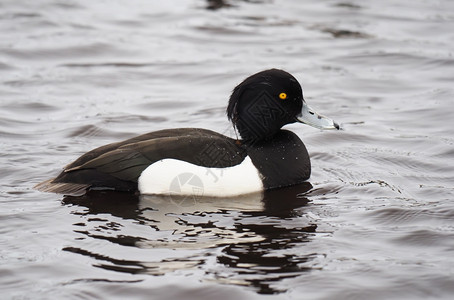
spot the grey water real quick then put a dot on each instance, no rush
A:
(374, 221)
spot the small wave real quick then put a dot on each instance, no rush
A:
(426, 238)
(344, 33)
(4, 66)
(59, 52)
(28, 107)
(90, 131)
(108, 64)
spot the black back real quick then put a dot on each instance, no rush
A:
(119, 165)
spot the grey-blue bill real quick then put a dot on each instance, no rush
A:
(311, 117)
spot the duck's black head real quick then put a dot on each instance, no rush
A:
(266, 101)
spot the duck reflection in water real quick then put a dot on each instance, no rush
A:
(253, 238)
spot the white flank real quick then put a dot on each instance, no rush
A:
(179, 178)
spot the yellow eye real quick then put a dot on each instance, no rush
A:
(283, 96)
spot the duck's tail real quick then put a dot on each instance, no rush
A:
(73, 189)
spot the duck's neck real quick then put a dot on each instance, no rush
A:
(282, 160)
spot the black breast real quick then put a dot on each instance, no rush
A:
(282, 160)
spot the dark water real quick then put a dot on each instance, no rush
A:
(375, 221)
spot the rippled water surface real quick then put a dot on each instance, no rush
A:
(375, 220)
